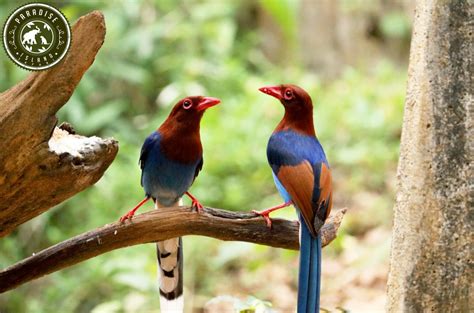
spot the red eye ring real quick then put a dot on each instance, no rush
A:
(288, 94)
(187, 104)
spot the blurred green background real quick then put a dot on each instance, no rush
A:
(350, 55)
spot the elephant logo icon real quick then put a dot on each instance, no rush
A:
(37, 36)
(30, 37)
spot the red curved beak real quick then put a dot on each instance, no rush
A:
(274, 91)
(207, 102)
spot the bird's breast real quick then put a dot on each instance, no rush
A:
(165, 179)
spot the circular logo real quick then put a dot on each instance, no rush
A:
(36, 36)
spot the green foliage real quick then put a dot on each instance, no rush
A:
(156, 52)
(396, 24)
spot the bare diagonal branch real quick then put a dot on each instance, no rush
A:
(158, 225)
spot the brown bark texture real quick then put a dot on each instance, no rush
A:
(42, 165)
(159, 225)
(431, 260)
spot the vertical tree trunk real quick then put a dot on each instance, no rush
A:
(432, 234)
(336, 34)
(319, 26)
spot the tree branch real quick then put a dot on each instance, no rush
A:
(42, 165)
(158, 225)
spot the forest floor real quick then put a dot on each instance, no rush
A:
(352, 281)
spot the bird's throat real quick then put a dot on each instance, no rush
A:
(301, 122)
(181, 143)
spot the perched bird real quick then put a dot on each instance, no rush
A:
(302, 176)
(170, 159)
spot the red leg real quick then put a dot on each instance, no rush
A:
(130, 213)
(195, 202)
(266, 213)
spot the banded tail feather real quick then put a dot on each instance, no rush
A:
(170, 271)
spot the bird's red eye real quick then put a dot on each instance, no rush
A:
(288, 95)
(187, 104)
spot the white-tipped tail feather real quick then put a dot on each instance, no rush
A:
(170, 272)
(175, 305)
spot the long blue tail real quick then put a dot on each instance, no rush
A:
(309, 282)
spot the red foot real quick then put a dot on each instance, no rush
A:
(266, 213)
(127, 216)
(130, 213)
(195, 202)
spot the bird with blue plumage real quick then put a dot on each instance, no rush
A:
(171, 158)
(303, 178)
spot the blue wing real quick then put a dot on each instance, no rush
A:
(301, 173)
(150, 142)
